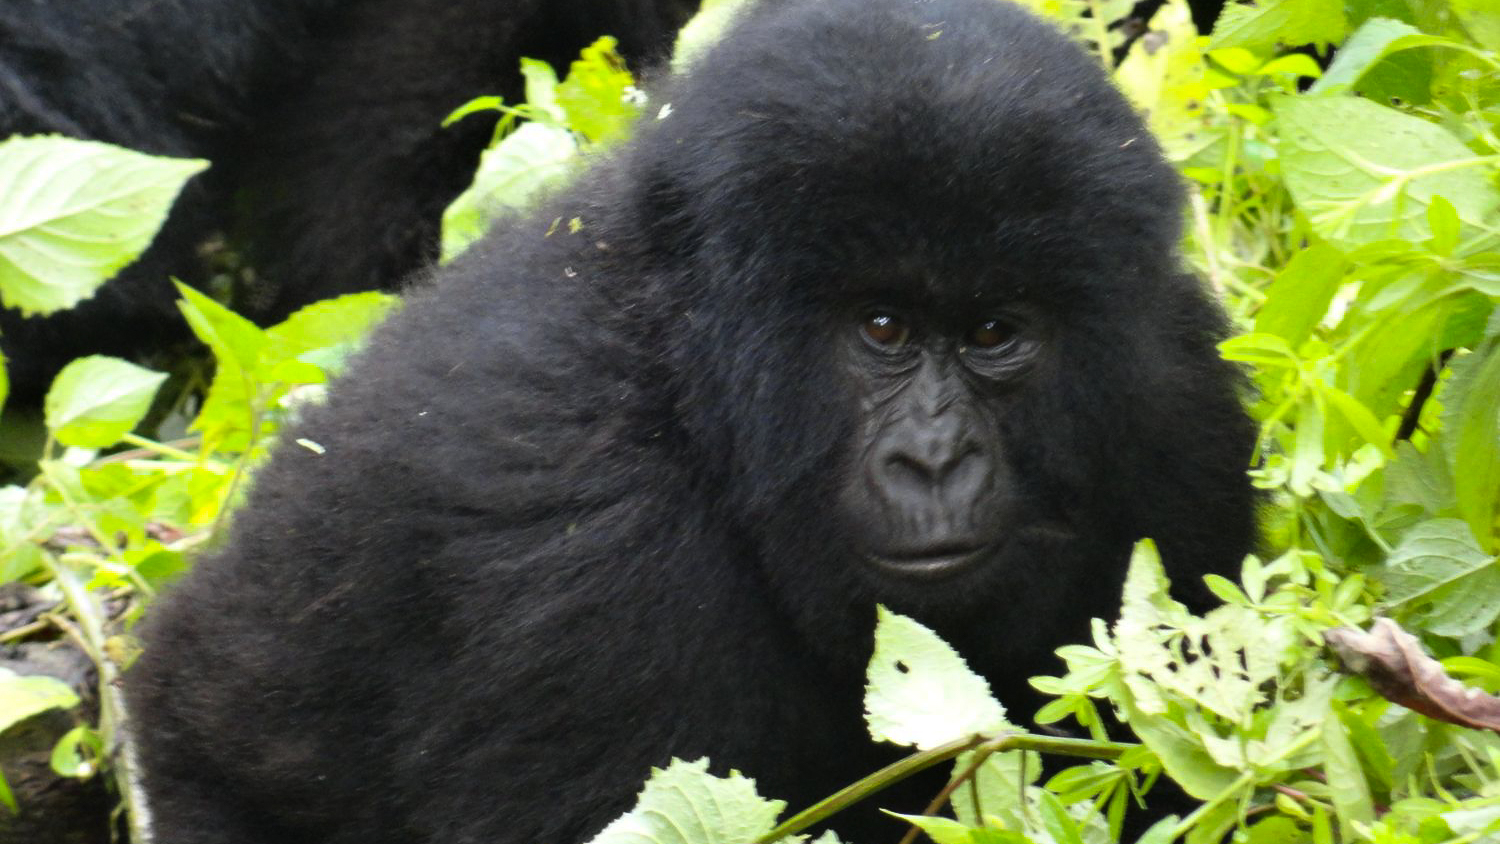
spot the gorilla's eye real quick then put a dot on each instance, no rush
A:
(992, 334)
(886, 330)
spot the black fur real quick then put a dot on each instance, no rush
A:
(575, 512)
(322, 119)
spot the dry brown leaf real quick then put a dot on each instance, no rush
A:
(1393, 661)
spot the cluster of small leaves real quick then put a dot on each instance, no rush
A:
(540, 142)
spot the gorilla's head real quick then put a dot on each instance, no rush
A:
(934, 324)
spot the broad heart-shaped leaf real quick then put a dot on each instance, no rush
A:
(920, 691)
(96, 400)
(1362, 172)
(1440, 574)
(72, 213)
(509, 174)
(685, 804)
(23, 697)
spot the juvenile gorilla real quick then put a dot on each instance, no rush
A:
(881, 304)
(323, 120)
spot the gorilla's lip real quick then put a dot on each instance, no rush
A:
(931, 563)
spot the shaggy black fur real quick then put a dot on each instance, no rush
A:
(576, 507)
(322, 120)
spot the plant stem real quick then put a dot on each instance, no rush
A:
(114, 726)
(922, 760)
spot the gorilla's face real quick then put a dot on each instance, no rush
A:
(928, 491)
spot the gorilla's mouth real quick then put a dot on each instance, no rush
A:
(932, 563)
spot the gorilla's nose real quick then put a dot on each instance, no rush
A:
(933, 463)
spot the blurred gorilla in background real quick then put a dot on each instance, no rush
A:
(882, 303)
(331, 168)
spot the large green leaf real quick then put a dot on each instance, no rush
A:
(72, 213)
(1442, 579)
(920, 691)
(1362, 172)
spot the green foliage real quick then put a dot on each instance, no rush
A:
(594, 106)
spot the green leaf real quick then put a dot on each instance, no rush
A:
(940, 830)
(1301, 293)
(510, 174)
(1001, 789)
(72, 755)
(1159, 832)
(920, 691)
(541, 91)
(474, 106)
(1442, 218)
(1399, 343)
(24, 697)
(1276, 830)
(338, 325)
(1285, 22)
(1374, 41)
(96, 400)
(1180, 752)
(596, 94)
(1262, 350)
(1442, 577)
(1374, 756)
(1473, 427)
(1363, 173)
(684, 804)
(1481, 18)
(72, 213)
(1359, 418)
(1307, 448)
(1346, 779)
(234, 340)
(1058, 823)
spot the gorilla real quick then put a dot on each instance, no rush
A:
(881, 303)
(322, 119)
